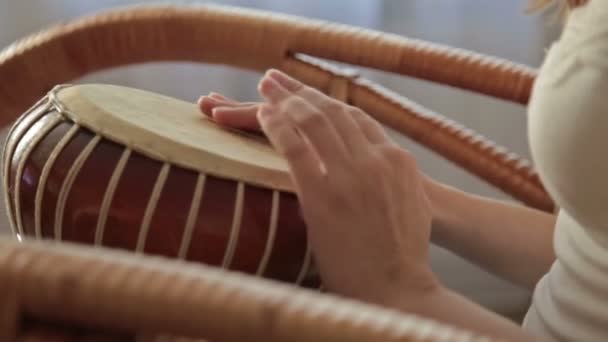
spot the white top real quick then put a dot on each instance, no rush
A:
(568, 130)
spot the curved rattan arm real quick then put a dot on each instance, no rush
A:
(221, 35)
(115, 291)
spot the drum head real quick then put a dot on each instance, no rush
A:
(173, 131)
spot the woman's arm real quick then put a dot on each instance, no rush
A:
(365, 206)
(494, 235)
(446, 306)
(511, 241)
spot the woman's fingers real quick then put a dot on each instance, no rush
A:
(335, 111)
(307, 119)
(225, 111)
(302, 159)
(374, 132)
(370, 127)
(240, 117)
(354, 128)
(206, 104)
(290, 83)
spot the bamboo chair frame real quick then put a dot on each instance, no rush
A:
(124, 294)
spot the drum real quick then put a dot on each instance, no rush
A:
(125, 168)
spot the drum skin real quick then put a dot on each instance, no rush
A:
(65, 182)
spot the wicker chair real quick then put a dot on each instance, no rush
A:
(65, 292)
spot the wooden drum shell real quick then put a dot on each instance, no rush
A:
(66, 182)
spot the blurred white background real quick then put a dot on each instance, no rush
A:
(498, 28)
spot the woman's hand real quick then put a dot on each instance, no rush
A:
(363, 199)
(361, 195)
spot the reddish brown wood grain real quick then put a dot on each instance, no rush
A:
(213, 221)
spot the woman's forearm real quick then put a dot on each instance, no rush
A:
(510, 241)
(448, 307)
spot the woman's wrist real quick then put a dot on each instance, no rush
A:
(410, 292)
(443, 204)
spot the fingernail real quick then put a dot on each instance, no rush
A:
(274, 73)
(270, 71)
(212, 101)
(269, 86)
(282, 78)
(217, 96)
